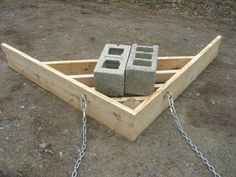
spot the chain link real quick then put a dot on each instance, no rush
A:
(186, 137)
(83, 102)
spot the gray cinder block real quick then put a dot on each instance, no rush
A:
(141, 70)
(109, 72)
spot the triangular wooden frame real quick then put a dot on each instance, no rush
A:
(70, 79)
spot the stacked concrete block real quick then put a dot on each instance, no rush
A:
(109, 72)
(141, 70)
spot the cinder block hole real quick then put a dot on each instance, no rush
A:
(115, 51)
(111, 64)
(144, 49)
(142, 63)
(143, 55)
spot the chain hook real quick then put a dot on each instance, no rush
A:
(83, 102)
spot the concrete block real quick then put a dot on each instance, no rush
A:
(109, 72)
(141, 70)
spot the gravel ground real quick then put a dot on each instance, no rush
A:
(40, 134)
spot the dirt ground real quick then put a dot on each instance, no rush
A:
(31, 118)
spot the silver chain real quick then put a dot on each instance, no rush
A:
(83, 102)
(186, 137)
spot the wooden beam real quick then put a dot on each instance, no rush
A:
(76, 67)
(139, 98)
(157, 102)
(88, 79)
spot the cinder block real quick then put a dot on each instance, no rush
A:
(141, 70)
(109, 72)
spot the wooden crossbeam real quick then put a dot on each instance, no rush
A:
(88, 79)
(77, 67)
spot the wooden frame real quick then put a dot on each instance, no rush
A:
(70, 79)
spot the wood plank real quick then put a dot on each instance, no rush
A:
(139, 98)
(154, 105)
(76, 67)
(123, 99)
(107, 111)
(88, 79)
(171, 63)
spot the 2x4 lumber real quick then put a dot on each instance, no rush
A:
(154, 105)
(76, 67)
(139, 98)
(88, 79)
(107, 111)
(73, 66)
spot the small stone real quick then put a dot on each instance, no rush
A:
(49, 151)
(213, 102)
(43, 145)
(192, 35)
(188, 28)
(227, 77)
(7, 138)
(61, 154)
(25, 84)
(22, 106)
(197, 94)
(39, 128)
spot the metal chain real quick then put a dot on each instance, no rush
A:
(188, 140)
(83, 102)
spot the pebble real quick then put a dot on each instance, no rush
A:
(22, 107)
(43, 145)
(61, 154)
(213, 102)
(197, 94)
(192, 35)
(48, 150)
